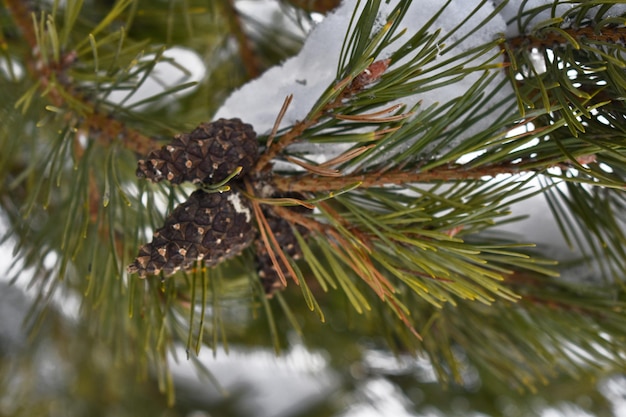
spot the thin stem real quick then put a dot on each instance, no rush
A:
(279, 119)
(313, 183)
(22, 18)
(564, 36)
(248, 57)
(285, 140)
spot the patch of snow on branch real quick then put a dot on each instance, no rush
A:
(308, 74)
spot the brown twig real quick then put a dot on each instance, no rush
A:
(552, 38)
(313, 183)
(52, 75)
(287, 139)
(248, 57)
(279, 119)
(22, 18)
(106, 129)
(346, 156)
(314, 169)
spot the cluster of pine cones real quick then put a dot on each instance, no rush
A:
(209, 226)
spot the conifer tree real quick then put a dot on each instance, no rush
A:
(367, 211)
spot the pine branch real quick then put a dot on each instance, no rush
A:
(339, 108)
(366, 201)
(52, 72)
(550, 37)
(315, 183)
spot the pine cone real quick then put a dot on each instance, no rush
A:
(209, 226)
(209, 154)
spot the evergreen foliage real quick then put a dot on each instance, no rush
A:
(398, 244)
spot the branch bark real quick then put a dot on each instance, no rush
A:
(313, 183)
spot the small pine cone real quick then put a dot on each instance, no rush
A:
(209, 154)
(286, 239)
(208, 226)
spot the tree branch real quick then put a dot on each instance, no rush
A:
(313, 183)
(560, 36)
(56, 86)
(248, 57)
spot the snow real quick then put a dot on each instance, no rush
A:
(269, 13)
(275, 386)
(239, 207)
(165, 76)
(308, 74)
(305, 76)
(11, 69)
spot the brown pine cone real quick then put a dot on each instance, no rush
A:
(208, 226)
(209, 154)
